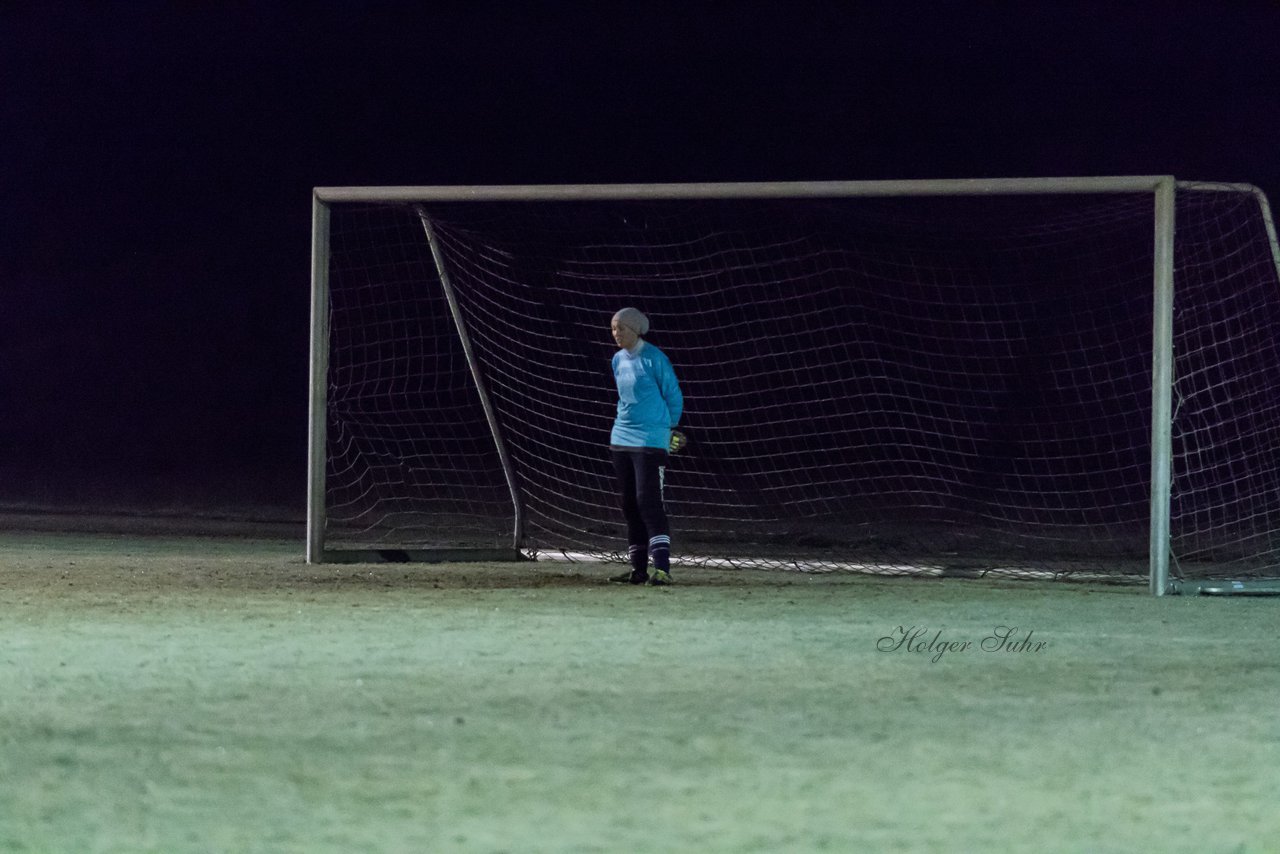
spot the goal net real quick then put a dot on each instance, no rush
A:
(907, 377)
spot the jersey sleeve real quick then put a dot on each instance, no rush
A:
(670, 388)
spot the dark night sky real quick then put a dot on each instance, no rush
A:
(156, 161)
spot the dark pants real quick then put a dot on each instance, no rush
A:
(640, 476)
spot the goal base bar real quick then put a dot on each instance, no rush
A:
(1227, 587)
(420, 556)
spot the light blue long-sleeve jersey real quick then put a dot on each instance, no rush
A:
(649, 398)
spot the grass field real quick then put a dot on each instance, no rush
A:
(216, 694)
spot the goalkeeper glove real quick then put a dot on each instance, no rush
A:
(678, 441)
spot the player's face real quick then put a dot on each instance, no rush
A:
(624, 335)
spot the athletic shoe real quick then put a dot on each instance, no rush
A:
(660, 578)
(635, 576)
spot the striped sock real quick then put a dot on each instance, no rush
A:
(639, 560)
(660, 552)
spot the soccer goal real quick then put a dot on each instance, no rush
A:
(1033, 377)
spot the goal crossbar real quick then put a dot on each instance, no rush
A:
(745, 190)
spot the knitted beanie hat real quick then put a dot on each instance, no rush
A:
(633, 318)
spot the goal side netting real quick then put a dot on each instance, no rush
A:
(954, 383)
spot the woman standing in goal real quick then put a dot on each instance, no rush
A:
(649, 408)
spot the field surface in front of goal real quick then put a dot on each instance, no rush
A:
(175, 693)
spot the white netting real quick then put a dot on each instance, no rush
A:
(959, 383)
(1225, 512)
(410, 458)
